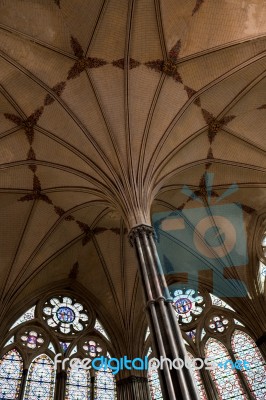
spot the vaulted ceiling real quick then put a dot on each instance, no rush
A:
(107, 108)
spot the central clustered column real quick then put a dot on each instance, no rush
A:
(164, 328)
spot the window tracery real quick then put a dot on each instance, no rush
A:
(217, 333)
(61, 325)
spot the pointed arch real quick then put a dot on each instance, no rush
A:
(78, 383)
(11, 366)
(226, 380)
(245, 348)
(41, 379)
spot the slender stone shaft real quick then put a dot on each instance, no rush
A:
(164, 328)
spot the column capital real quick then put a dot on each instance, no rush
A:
(138, 231)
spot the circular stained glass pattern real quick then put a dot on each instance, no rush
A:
(218, 324)
(65, 315)
(186, 303)
(92, 348)
(32, 339)
(183, 305)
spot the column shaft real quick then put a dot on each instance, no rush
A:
(165, 331)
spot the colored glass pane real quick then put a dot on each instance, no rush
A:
(154, 385)
(198, 380)
(78, 384)
(27, 316)
(65, 314)
(226, 380)
(11, 366)
(186, 302)
(245, 348)
(98, 326)
(216, 301)
(105, 387)
(40, 379)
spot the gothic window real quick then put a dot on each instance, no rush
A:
(105, 385)
(11, 366)
(225, 379)
(245, 349)
(57, 324)
(40, 379)
(78, 383)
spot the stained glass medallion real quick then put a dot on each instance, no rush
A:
(32, 339)
(11, 366)
(218, 323)
(65, 315)
(186, 303)
(40, 379)
(92, 348)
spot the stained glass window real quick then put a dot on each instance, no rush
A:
(78, 384)
(51, 347)
(218, 323)
(92, 348)
(27, 316)
(75, 350)
(225, 379)
(147, 333)
(11, 366)
(65, 315)
(262, 273)
(192, 334)
(220, 303)
(198, 380)
(245, 348)
(187, 304)
(32, 339)
(154, 385)
(105, 386)
(40, 379)
(10, 341)
(64, 346)
(100, 329)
